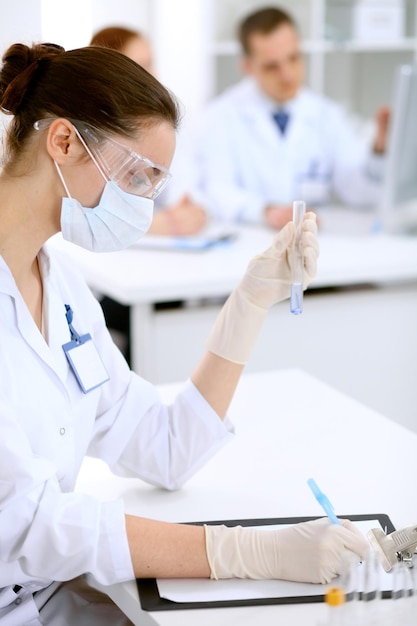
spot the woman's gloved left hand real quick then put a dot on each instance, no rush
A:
(311, 552)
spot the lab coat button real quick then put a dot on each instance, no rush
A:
(62, 431)
(18, 601)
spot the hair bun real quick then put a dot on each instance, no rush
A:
(21, 64)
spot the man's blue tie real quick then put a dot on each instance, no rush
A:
(281, 118)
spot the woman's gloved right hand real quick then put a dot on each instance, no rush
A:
(266, 281)
(313, 552)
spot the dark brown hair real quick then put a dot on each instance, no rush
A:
(99, 86)
(115, 37)
(264, 22)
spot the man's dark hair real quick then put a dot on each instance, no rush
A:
(264, 22)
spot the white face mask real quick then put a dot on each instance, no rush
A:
(117, 222)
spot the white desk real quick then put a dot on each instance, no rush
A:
(141, 278)
(359, 335)
(289, 427)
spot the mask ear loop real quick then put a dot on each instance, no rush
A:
(58, 169)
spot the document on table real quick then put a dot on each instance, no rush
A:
(211, 237)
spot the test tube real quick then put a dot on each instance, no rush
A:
(297, 265)
(403, 590)
(370, 608)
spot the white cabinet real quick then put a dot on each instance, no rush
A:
(358, 73)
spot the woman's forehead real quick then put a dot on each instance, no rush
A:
(156, 141)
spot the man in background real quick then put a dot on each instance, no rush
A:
(269, 140)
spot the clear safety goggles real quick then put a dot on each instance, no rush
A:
(131, 171)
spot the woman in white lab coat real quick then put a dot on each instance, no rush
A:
(90, 128)
(267, 141)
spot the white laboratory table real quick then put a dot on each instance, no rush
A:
(289, 427)
(140, 278)
(357, 332)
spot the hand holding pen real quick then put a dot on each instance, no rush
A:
(313, 551)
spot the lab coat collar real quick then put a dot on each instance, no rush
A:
(56, 326)
(7, 282)
(258, 109)
(57, 331)
(272, 105)
(305, 100)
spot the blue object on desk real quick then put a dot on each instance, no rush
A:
(323, 500)
(186, 244)
(201, 243)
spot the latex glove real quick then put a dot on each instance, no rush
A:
(313, 552)
(266, 281)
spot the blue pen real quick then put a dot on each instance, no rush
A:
(323, 500)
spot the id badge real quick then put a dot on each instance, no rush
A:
(86, 363)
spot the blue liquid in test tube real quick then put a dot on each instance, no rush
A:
(297, 264)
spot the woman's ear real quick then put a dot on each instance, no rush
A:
(62, 142)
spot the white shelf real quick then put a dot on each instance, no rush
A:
(232, 48)
(333, 66)
(407, 44)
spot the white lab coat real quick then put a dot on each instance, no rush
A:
(244, 163)
(47, 425)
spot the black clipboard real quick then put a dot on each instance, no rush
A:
(151, 600)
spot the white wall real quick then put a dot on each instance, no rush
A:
(180, 34)
(178, 30)
(20, 22)
(133, 14)
(69, 23)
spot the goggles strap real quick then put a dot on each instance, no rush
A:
(90, 154)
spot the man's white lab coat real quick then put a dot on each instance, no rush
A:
(47, 426)
(244, 162)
